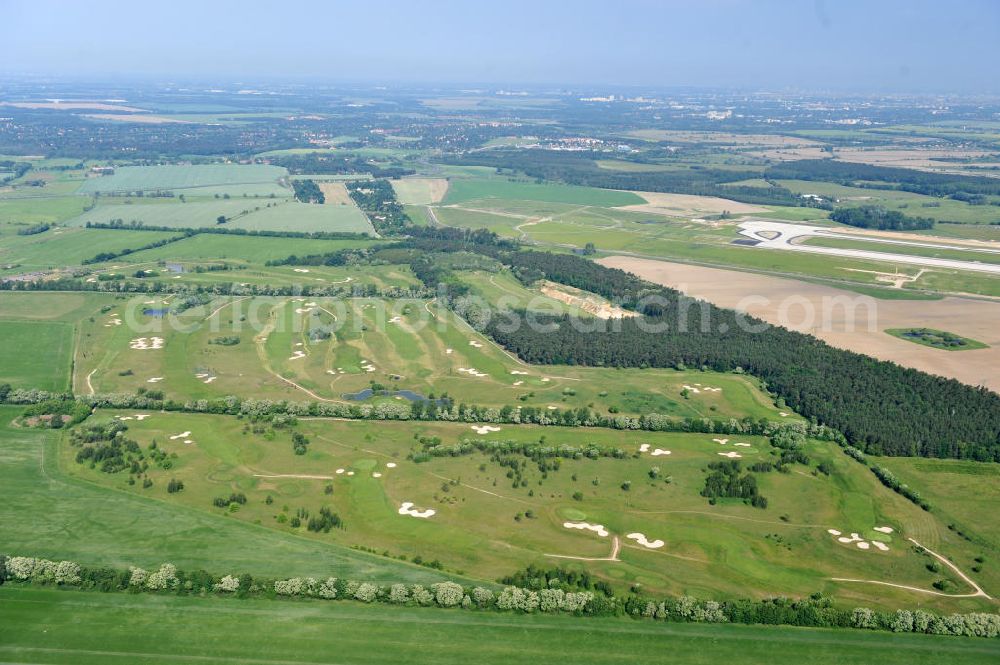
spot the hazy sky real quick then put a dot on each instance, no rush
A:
(891, 45)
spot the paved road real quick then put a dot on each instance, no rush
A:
(779, 235)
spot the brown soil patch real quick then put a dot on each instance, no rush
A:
(420, 191)
(588, 302)
(688, 205)
(773, 296)
(335, 193)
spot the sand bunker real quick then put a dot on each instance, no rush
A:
(350, 473)
(476, 344)
(881, 546)
(392, 465)
(143, 344)
(210, 379)
(518, 383)
(659, 452)
(141, 416)
(731, 455)
(339, 471)
(517, 372)
(884, 529)
(376, 474)
(596, 528)
(691, 389)
(448, 351)
(300, 269)
(296, 355)
(545, 379)
(863, 545)
(642, 540)
(742, 445)
(782, 414)
(303, 310)
(833, 532)
(395, 319)
(858, 541)
(721, 442)
(155, 379)
(485, 429)
(406, 508)
(472, 371)
(182, 435)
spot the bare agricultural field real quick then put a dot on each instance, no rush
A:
(335, 193)
(129, 117)
(742, 140)
(59, 105)
(420, 191)
(687, 205)
(842, 318)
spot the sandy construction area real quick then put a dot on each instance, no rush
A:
(689, 205)
(775, 299)
(588, 302)
(335, 193)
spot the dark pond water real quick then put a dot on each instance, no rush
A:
(158, 313)
(405, 394)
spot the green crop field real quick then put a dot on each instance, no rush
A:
(463, 191)
(62, 248)
(80, 628)
(242, 248)
(250, 214)
(173, 177)
(36, 354)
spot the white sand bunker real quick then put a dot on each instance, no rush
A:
(143, 343)
(485, 429)
(586, 526)
(155, 379)
(376, 474)
(114, 321)
(642, 540)
(884, 529)
(782, 414)
(472, 371)
(182, 435)
(863, 545)
(546, 379)
(659, 451)
(395, 319)
(551, 408)
(881, 546)
(833, 532)
(644, 447)
(730, 455)
(517, 383)
(853, 538)
(210, 379)
(303, 310)
(691, 389)
(721, 442)
(475, 344)
(449, 351)
(406, 508)
(339, 471)
(141, 416)
(518, 372)
(300, 270)
(350, 473)
(858, 541)
(297, 354)
(367, 366)
(742, 445)
(392, 465)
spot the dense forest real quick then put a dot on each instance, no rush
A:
(377, 199)
(877, 217)
(307, 191)
(319, 164)
(575, 168)
(972, 189)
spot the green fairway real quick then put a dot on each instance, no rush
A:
(95, 525)
(86, 628)
(36, 354)
(461, 191)
(364, 471)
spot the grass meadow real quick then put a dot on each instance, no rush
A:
(172, 177)
(80, 628)
(36, 354)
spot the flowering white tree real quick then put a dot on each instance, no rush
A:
(328, 589)
(138, 576)
(482, 596)
(366, 592)
(549, 600)
(227, 584)
(447, 594)
(420, 595)
(902, 622)
(862, 617)
(165, 577)
(398, 594)
(21, 567)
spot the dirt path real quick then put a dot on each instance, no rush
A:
(90, 386)
(225, 305)
(262, 356)
(977, 590)
(615, 549)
